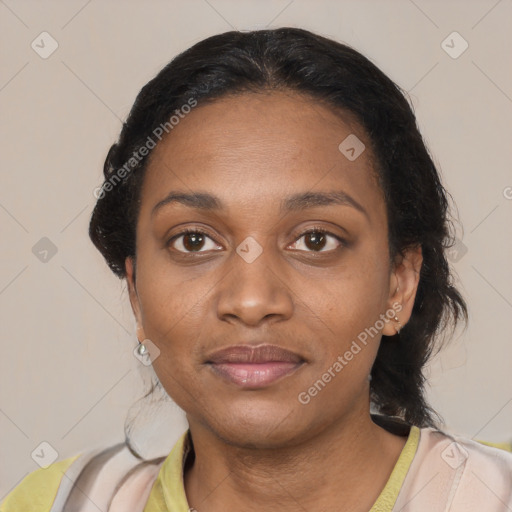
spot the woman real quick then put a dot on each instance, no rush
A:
(281, 228)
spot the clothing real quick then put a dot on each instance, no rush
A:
(434, 472)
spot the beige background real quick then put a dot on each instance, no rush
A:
(67, 371)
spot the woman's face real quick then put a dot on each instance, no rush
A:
(253, 277)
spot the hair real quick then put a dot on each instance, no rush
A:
(292, 59)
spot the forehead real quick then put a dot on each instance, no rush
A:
(256, 144)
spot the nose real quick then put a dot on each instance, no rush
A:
(255, 292)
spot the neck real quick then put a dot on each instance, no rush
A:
(349, 462)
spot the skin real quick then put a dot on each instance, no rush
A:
(258, 449)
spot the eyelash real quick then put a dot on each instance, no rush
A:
(314, 229)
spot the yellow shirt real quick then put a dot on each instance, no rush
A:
(37, 491)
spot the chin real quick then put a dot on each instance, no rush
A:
(262, 426)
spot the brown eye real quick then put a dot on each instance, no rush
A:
(192, 241)
(317, 240)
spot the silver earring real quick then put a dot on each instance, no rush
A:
(142, 349)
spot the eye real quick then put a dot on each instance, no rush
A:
(196, 240)
(318, 240)
(192, 240)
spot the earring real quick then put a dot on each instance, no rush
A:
(141, 349)
(400, 326)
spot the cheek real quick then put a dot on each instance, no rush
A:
(169, 296)
(173, 310)
(357, 292)
(349, 335)
(349, 306)
(173, 315)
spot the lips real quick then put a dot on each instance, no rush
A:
(254, 366)
(251, 354)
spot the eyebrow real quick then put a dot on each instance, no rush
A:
(314, 199)
(296, 202)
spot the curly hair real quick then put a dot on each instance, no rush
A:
(417, 204)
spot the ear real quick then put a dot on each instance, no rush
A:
(403, 285)
(134, 298)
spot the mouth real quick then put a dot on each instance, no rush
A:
(254, 367)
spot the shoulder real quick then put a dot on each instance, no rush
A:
(457, 450)
(48, 489)
(38, 489)
(457, 472)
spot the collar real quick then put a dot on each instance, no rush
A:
(168, 492)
